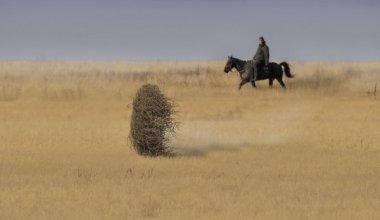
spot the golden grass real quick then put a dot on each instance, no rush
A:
(311, 152)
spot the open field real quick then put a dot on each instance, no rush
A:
(311, 152)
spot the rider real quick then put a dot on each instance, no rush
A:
(261, 57)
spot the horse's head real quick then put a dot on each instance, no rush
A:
(229, 65)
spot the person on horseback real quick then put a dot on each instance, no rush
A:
(261, 57)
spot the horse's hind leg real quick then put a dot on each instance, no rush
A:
(271, 83)
(281, 83)
(253, 84)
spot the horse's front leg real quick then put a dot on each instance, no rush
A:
(253, 83)
(242, 83)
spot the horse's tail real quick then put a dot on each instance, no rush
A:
(287, 69)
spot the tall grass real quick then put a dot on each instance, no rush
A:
(79, 80)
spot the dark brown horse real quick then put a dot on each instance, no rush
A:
(243, 67)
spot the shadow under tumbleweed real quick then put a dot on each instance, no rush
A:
(202, 151)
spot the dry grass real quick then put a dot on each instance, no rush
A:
(309, 153)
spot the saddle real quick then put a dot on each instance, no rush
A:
(261, 70)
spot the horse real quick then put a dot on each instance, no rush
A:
(243, 67)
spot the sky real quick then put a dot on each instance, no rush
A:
(191, 30)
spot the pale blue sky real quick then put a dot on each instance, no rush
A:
(189, 30)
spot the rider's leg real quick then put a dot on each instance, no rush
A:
(255, 65)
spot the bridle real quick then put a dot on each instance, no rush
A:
(229, 65)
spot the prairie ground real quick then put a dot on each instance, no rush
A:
(311, 152)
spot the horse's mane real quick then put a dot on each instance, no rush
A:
(238, 63)
(238, 60)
